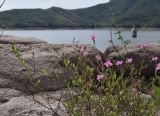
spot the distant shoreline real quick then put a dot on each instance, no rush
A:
(107, 28)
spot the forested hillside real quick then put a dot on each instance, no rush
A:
(117, 13)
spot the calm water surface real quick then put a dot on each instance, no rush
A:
(83, 36)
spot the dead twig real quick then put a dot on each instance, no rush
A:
(2, 3)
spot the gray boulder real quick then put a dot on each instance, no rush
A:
(13, 103)
(138, 54)
(40, 56)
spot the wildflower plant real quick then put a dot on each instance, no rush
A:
(107, 87)
(103, 86)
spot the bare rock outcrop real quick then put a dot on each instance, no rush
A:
(138, 54)
(16, 87)
(7, 39)
(39, 56)
(13, 103)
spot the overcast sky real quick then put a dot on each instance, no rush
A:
(67, 4)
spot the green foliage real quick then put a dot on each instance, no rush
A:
(111, 96)
(118, 92)
(17, 54)
(32, 83)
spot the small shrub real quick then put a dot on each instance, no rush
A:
(110, 87)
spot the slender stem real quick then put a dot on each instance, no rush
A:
(1, 34)
(111, 41)
(2, 3)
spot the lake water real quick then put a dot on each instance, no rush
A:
(83, 36)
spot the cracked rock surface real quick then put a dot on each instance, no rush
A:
(39, 56)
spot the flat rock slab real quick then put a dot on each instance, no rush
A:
(7, 39)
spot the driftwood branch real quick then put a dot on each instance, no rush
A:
(0, 7)
(2, 3)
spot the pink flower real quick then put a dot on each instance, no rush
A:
(119, 63)
(108, 64)
(154, 58)
(93, 37)
(144, 45)
(158, 67)
(100, 77)
(85, 53)
(98, 58)
(129, 60)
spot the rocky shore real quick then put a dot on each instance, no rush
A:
(16, 97)
(39, 55)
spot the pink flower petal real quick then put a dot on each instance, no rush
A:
(158, 67)
(129, 60)
(98, 58)
(154, 58)
(100, 77)
(93, 37)
(108, 64)
(144, 45)
(119, 63)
